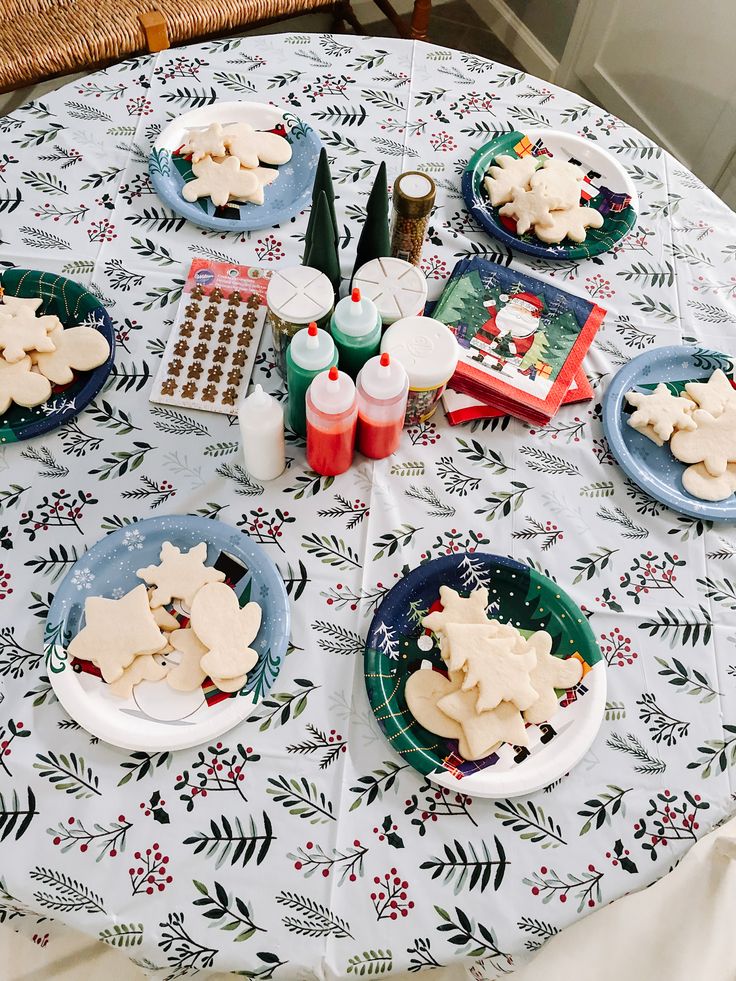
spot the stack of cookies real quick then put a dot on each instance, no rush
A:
(226, 162)
(36, 352)
(541, 194)
(497, 681)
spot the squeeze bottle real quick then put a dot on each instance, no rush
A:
(356, 329)
(261, 421)
(332, 415)
(383, 386)
(310, 352)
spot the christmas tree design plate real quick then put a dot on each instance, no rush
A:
(73, 305)
(156, 718)
(606, 187)
(398, 645)
(285, 197)
(652, 467)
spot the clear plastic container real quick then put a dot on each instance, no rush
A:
(383, 386)
(356, 330)
(310, 352)
(332, 417)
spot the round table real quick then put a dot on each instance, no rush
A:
(364, 872)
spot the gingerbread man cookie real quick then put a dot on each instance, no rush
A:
(550, 672)
(77, 349)
(484, 730)
(220, 181)
(143, 668)
(22, 331)
(19, 384)
(187, 674)
(203, 143)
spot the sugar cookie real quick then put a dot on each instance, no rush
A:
(164, 620)
(559, 182)
(23, 331)
(697, 481)
(229, 685)
(491, 664)
(713, 395)
(220, 181)
(143, 668)
(662, 411)
(226, 630)
(422, 691)
(117, 631)
(527, 208)
(80, 348)
(509, 174)
(570, 223)
(179, 574)
(16, 304)
(550, 672)
(187, 675)
(250, 145)
(713, 443)
(457, 609)
(484, 729)
(203, 143)
(265, 175)
(19, 384)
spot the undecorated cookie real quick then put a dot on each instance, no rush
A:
(484, 729)
(229, 685)
(550, 672)
(250, 145)
(164, 620)
(570, 223)
(697, 481)
(143, 668)
(77, 348)
(179, 574)
(203, 143)
(187, 675)
(16, 304)
(265, 175)
(226, 630)
(713, 395)
(456, 609)
(492, 666)
(660, 413)
(23, 331)
(559, 181)
(423, 689)
(220, 181)
(527, 208)
(713, 443)
(509, 174)
(19, 384)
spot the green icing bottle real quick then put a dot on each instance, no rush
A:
(311, 352)
(356, 330)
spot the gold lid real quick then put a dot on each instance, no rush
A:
(414, 194)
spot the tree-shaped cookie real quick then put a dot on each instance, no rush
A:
(117, 631)
(492, 665)
(713, 443)
(508, 175)
(713, 395)
(180, 574)
(76, 349)
(226, 630)
(21, 385)
(457, 609)
(550, 672)
(660, 413)
(23, 331)
(220, 181)
(203, 143)
(484, 730)
(16, 304)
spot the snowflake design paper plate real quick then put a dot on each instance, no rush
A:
(285, 197)
(652, 467)
(157, 718)
(606, 187)
(73, 305)
(397, 645)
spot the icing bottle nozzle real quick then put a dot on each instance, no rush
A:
(312, 338)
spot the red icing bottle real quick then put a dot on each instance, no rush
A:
(382, 391)
(332, 415)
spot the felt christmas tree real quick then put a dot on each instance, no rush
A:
(374, 240)
(321, 252)
(322, 183)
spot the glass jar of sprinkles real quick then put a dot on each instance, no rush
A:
(296, 297)
(413, 200)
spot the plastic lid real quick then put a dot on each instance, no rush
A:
(382, 379)
(398, 288)
(300, 294)
(356, 315)
(414, 194)
(311, 349)
(260, 409)
(425, 347)
(332, 392)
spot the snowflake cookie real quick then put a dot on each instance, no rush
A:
(660, 414)
(180, 574)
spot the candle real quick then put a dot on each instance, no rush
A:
(261, 421)
(332, 415)
(356, 330)
(382, 390)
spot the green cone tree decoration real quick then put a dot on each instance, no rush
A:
(321, 251)
(322, 182)
(375, 240)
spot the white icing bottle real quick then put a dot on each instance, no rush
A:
(261, 420)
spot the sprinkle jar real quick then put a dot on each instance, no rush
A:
(296, 297)
(428, 351)
(413, 200)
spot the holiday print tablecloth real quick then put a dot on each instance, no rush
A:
(360, 866)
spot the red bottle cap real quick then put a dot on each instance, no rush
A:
(355, 295)
(385, 359)
(312, 329)
(333, 373)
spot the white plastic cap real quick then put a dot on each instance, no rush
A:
(398, 288)
(356, 315)
(260, 410)
(312, 349)
(300, 294)
(332, 392)
(427, 349)
(382, 379)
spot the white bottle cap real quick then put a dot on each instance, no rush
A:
(382, 379)
(260, 410)
(356, 315)
(427, 349)
(398, 288)
(300, 294)
(332, 392)
(311, 349)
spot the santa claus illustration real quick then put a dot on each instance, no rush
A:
(509, 330)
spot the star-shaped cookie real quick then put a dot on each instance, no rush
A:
(713, 443)
(23, 331)
(550, 672)
(180, 574)
(713, 395)
(483, 730)
(220, 181)
(492, 666)
(661, 410)
(117, 631)
(507, 175)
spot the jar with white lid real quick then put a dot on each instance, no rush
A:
(428, 351)
(296, 297)
(398, 288)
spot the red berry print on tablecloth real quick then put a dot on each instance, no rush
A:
(5, 588)
(60, 509)
(105, 840)
(8, 734)
(269, 249)
(616, 648)
(140, 106)
(431, 804)
(215, 770)
(583, 887)
(264, 527)
(669, 818)
(390, 896)
(651, 573)
(345, 864)
(149, 872)
(434, 267)
(620, 858)
(155, 807)
(388, 831)
(599, 288)
(101, 231)
(326, 745)
(443, 142)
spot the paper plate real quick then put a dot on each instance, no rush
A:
(289, 194)
(73, 305)
(156, 718)
(397, 645)
(607, 188)
(652, 467)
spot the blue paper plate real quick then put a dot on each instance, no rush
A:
(607, 188)
(652, 467)
(398, 645)
(157, 718)
(289, 194)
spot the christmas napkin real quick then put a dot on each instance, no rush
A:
(521, 341)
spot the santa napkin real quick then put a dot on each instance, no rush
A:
(521, 340)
